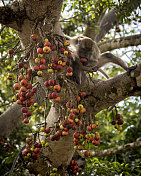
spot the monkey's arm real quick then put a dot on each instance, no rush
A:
(108, 57)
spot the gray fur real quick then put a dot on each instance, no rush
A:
(84, 47)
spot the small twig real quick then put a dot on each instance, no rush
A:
(4, 105)
(68, 19)
(45, 115)
(2, 29)
(30, 47)
(15, 160)
(18, 41)
(127, 52)
(111, 108)
(37, 83)
(19, 51)
(3, 57)
(3, 2)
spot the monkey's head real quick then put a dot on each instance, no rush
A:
(84, 48)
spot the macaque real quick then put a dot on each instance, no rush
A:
(87, 57)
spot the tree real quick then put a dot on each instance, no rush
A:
(24, 17)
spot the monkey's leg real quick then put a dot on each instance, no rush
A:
(108, 57)
(77, 73)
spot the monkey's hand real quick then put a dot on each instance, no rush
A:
(129, 69)
(94, 69)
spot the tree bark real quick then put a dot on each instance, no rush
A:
(116, 150)
(122, 42)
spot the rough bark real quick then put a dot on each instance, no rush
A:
(122, 42)
(13, 16)
(106, 93)
(115, 150)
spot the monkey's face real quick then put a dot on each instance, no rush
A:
(86, 49)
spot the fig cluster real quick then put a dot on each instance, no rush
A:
(84, 137)
(74, 169)
(117, 122)
(60, 63)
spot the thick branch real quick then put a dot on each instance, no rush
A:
(11, 16)
(116, 150)
(120, 43)
(92, 31)
(110, 19)
(21, 12)
(107, 23)
(11, 118)
(108, 93)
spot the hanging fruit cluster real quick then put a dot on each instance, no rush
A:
(32, 149)
(61, 61)
(117, 121)
(74, 169)
(53, 60)
(25, 93)
(82, 138)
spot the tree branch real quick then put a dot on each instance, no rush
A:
(92, 31)
(110, 92)
(113, 151)
(26, 11)
(107, 23)
(12, 16)
(109, 20)
(122, 42)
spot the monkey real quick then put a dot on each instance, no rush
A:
(83, 47)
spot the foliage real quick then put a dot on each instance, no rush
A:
(100, 167)
(8, 41)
